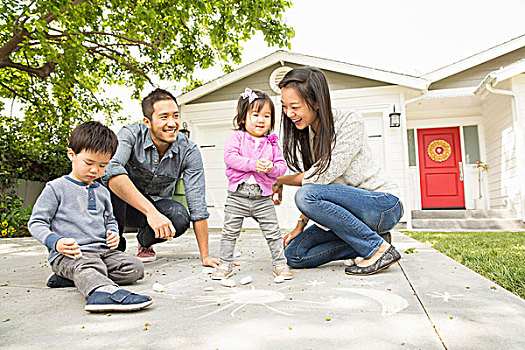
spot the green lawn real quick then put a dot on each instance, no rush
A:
(499, 256)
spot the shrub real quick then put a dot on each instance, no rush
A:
(13, 217)
(31, 152)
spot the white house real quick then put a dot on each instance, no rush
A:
(471, 110)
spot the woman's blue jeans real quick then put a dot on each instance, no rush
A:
(354, 217)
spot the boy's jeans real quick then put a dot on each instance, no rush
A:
(354, 217)
(97, 268)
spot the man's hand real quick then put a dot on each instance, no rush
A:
(279, 191)
(161, 225)
(292, 234)
(69, 248)
(112, 239)
(209, 261)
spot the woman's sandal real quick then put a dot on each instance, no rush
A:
(391, 256)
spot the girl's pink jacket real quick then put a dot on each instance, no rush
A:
(241, 157)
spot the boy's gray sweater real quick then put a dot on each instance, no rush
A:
(72, 209)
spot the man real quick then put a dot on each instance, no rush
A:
(150, 158)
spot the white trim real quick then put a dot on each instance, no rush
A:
(443, 122)
(406, 165)
(300, 59)
(476, 59)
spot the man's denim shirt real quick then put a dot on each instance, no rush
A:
(138, 157)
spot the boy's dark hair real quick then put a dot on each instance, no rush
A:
(95, 137)
(244, 106)
(154, 96)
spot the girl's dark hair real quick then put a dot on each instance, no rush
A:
(95, 137)
(311, 85)
(154, 96)
(244, 107)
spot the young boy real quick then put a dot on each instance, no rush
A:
(74, 219)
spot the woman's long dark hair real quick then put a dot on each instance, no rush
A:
(311, 85)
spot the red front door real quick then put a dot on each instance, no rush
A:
(440, 168)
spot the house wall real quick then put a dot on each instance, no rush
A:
(211, 123)
(518, 87)
(260, 81)
(501, 149)
(474, 75)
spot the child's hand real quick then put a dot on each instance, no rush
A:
(69, 248)
(113, 239)
(263, 165)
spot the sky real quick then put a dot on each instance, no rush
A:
(405, 36)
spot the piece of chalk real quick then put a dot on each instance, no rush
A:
(157, 287)
(246, 280)
(226, 282)
(207, 270)
(208, 289)
(349, 262)
(278, 279)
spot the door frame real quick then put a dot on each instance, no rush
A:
(444, 123)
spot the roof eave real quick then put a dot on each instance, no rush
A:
(476, 59)
(326, 64)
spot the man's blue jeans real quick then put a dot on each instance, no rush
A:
(354, 217)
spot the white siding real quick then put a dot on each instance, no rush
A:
(500, 149)
(519, 91)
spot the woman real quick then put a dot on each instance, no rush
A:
(343, 190)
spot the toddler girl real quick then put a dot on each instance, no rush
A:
(253, 163)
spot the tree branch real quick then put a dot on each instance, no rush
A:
(42, 72)
(104, 34)
(15, 92)
(93, 51)
(12, 45)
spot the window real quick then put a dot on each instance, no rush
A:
(411, 148)
(470, 135)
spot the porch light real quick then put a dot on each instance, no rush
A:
(185, 130)
(395, 119)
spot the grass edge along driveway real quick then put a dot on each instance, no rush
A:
(498, 256)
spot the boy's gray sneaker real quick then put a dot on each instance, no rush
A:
(56, 281)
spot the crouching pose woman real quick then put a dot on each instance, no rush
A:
(343, 191)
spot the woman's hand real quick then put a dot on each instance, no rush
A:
(277, 189)
(292, 234)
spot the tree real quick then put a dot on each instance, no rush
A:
(56, 55)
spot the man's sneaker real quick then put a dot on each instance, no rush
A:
(146, 254)
(282, 270)
(222, 271)
(121, 300)
(56, 281)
